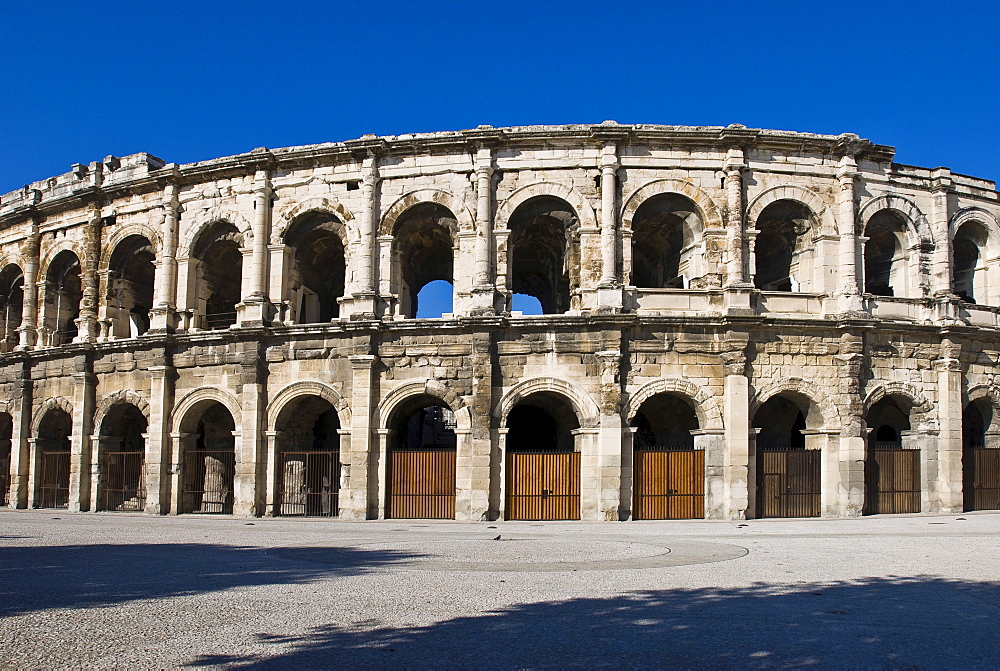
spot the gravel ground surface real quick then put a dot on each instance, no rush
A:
(112, 590)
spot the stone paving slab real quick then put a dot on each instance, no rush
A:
(131, 591)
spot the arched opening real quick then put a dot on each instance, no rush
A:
(122, 484)
(892, 468)
(887, 264)
(543, 466)
(308, 459)
(783, 247)
(980, 457)
(787, 473)
(53, 450)
(317, 276)
(63, 293)
(968, 262)
(435, 300)
(665, 230)
(526, 305)
(422, 451)
(544, 252)
(11, 306)
(130, 286)
(219, 275)
(209, 462)
(424, 248)
(6, 442)
(668, 471)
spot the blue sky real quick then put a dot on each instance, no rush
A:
(189, 81)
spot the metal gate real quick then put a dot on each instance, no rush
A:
(543, 486)
(4, 480)
(669, 483)
(788, 482)
(422, 484)
(892, 478)
(982, 478)
(208, 482)
(53, 491)
(124, 479)
(310, 484)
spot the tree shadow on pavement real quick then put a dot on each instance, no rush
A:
(875, 622)
(82, 576)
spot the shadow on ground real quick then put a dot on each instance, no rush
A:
(876, 622)
(82, 576)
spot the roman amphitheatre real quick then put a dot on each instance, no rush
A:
(734, 323)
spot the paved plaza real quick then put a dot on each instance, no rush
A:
(113, 590)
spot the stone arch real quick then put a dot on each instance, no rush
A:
(978, 214)
(988, 392)
(141, 229)
(794, 192)
(915, 220)
(921, 405)
(123, 396)
(426, 387)
(587, 411)
(292, 211)
(706, 406)
(291, 393)
(198, 396)
(204, 220)
(584, 210)
(53, 250)
(710, 214)
(48, 404)
(828, 410)
(7, 406)
(453, 203)
(12, 259)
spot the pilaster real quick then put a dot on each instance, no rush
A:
(29, 308)
(158, 447)
(848, 290)
(162, 317)
(736, 419)
(80, 441)
(356, 461)
(949, 496)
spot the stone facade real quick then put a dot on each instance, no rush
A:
(238, 302)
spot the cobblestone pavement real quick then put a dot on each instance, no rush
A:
(111, 590)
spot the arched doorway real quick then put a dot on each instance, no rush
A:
(209, 463)
(422, 454)
(122, 485)
(668, 471)
(969, 269)
(980, 458)
(11, 306)
(783, 247)
(887, 265)
(6, 435)
(308, 459)
(317, 276)
(53, 454)
(219, 275)
(63, 293)
(543, 465)
(130, 286)
(424, 247)
(665, 228)
(544, 252)
(892, 469)
(787, 478)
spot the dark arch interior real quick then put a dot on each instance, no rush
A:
(783, 226)
(966, 248)
(311, 424)
(130, 284)
(63, 294)
(885, 232)
(210, 463)
(53, 446)
(888, 418)
(976, 420)
(541, 251)
(123, 448)
(542, 422)
(664, 421)
(6, 435)
(11, 304)
(309, 459)
(424, 242)
(126, 424)
(319, 270)
(663, 227)
(424, 423)
(221, 274)
(780, 422)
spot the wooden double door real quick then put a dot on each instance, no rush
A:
(421, 484)
(981, 467)
(788, 482)
(543, 485)
(669, 484)
(892, 479)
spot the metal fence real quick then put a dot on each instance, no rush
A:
(124, 481)
(310, 484)
(208, 482)
(53, 490)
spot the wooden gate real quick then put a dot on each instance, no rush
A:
(892, 478)
(669, 483)
(208, 482)
(421, 484)
(982, 478)
(53, 492)
(124, 481)
(543, 486)
(788, 482)
(310, 484)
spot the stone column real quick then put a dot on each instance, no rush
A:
(158, 447)
(162, 316)
(80, 445)
(180, 443)
(356, 458)
(949, 483)
(364, 293)
(20, 453)
(737, 287)
(484, 285)
(713, 443)
(610, 438)
(480, 443)
(274, 477)
(850, 477)
(848, 289)
(29, 309)
(498, 473)
(249, 482)
(87, 321)
(609, 291)
(256, 305)
(736, 419)
(97, 482)
(378, 474)
(941, 189)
